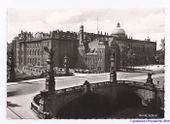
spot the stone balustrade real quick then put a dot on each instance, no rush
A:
(62, 96)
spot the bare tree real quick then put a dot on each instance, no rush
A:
(160, 55)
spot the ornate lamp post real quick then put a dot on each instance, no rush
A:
(66, 65)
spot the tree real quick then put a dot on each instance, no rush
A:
(123, 55)
(162, 45)
(10, 63)
(131, 56)
(160, 54)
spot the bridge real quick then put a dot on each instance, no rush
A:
(104, 96)
(124, 91)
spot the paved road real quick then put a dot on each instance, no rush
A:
(20, 94)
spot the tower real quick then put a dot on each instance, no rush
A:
(81, 41)
(81, 35)
(101, 55)
(81, 49)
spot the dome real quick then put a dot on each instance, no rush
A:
(118, 30)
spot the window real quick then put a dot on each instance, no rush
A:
(38, 63)
(35, 60)
(38, 52)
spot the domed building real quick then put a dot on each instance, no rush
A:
(119, 32)
(85, 50)
(129, 51)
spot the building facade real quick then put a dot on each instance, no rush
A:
(84, 50)
(128, 51)
(30, 55)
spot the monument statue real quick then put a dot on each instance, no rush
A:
(50, 81)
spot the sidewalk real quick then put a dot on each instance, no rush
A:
(19, 107)
(151, 67)
(11, 114)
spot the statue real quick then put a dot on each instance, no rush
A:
(50, 81)
(114, 49)
(149, 79)
(113, 75)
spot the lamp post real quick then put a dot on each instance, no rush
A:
(66, 65)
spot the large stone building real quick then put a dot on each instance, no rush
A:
(30, 56)
(84, 50)
(95, 50)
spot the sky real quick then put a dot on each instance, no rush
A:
(137, 23)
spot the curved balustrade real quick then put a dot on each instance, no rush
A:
(136, 84)
(35, 103)
(69, 90)
(36, 99)
(80, 88)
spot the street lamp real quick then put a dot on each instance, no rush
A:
(66, 65)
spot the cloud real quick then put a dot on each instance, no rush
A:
(138, 23)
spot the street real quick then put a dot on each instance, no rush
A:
(20, 94)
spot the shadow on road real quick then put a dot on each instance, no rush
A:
(11, 93)
(9, 104)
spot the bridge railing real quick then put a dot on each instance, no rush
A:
(69, 90)
(35, 103)
(124, 82)
(100, 84)
(80, 88)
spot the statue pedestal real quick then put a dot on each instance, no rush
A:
(45, 104)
